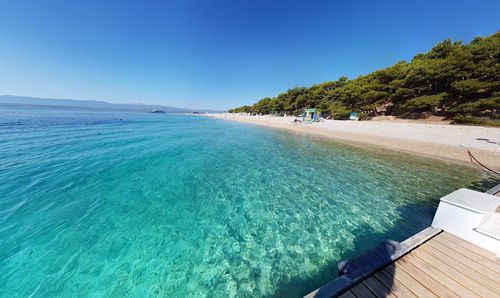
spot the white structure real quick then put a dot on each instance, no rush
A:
(471, 215)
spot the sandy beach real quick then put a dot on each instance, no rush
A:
(441, 141)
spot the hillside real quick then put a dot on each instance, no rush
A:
(35, 102)
(460, 82)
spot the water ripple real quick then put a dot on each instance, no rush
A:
(123, 204)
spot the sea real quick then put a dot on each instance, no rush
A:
(121, 204)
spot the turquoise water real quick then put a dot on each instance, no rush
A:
(117, 204)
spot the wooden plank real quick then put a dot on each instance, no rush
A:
(474, 248)
(418, 239)
(362, 291)
(473, 265)
(437, 275)
(494, 191)
(411, 283)
(444, 266)
(340, 284)
(455, 274)
(377, 288)
(397, 288)
(466, 261)
(463, 267)
(469, 254)
(434, 286)
(348, 294)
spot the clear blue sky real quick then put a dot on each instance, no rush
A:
(215, 54)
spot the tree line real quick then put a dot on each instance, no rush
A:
(458, 81)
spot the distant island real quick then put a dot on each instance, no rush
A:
(12, 101)
(454, 81)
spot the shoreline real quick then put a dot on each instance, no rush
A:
(441, 141)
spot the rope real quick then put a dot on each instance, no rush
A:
(473, 158)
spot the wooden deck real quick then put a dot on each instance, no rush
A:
(494, 191)
(444, 266)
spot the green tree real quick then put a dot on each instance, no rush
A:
(456, 80)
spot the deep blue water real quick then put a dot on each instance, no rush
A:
(124, 204)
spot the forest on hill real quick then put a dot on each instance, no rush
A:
(460, 82)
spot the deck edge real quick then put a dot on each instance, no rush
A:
(342, 284)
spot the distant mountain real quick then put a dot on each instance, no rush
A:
(52, 103)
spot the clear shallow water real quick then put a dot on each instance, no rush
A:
(115, 204)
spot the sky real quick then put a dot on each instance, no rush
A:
(216, 54)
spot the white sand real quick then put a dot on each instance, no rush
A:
(434, 140)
